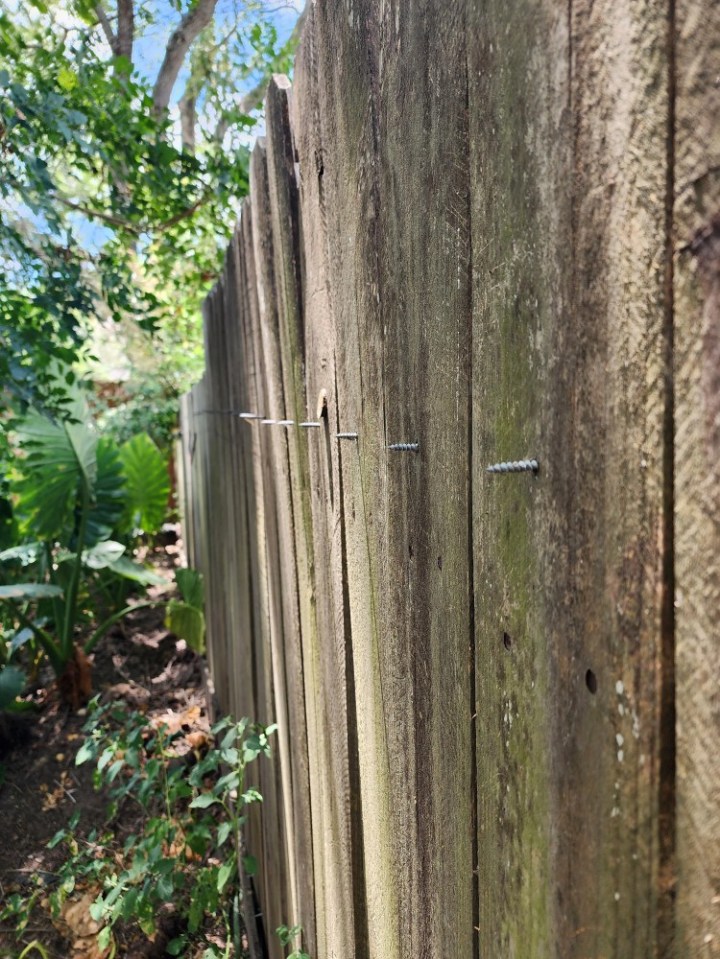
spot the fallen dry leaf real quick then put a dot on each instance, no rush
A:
(75, 920)
(76, 915)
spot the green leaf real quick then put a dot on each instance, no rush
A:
(224, 874)
(129, 569)
(21, 637)
(97, 909)
(58, 458)
(203, 801)
(25, 592)
(250, 865)
(12, 683)
(86, 752)
(109, 494)
(67, 79)
(147, 483)
(224, 830)
(103, 938)
(190, 584)
(27, 553)
(103, 554)
(187, 623)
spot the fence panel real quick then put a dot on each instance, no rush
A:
(461, 236)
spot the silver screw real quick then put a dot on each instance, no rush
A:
(250, 416)
(285, 423)
(404, 447)
(346, 436)
(516, 466)
(309, 425)
(268, 422)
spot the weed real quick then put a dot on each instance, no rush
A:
(183, 862)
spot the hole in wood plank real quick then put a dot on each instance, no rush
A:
(591, 681)
(507, 641)
(439, 561)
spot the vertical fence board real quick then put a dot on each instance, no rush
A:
(286, 588)
(568, 246)
(423, 305)
(697, 485)
(339, 879)
(278, 868)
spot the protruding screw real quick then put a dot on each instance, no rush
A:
(285, 423)
(404, 447)
(309, 425)
(250, 416)
(346, 436)
(516, 466)
(268, 422)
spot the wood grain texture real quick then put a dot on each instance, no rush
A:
(697, 490)
(340, 880)
(284, 588)
(568, 156)
(460, 234)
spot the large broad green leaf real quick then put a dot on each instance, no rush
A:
(147, 482)
(23, 592)
(60, 458)
(109, 494)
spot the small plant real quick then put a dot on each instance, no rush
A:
(185, 860)
(287, 937)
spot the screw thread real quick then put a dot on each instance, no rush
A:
(514, 466)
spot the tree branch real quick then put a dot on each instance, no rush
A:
(188, 119)
(179, 43)
(135, 228)
(107, 29)
(126, 29)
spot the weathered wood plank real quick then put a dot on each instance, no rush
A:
(285, 588)
(568, 133)
(423, 314)
(697, 485)
(277, 870)
(340, 886)
(346, 167)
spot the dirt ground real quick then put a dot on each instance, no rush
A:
(151, 670)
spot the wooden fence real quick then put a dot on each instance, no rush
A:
(488, 229)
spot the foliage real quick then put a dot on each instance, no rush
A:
(287, 936)
(72, 491)
(186, 855)
(146, 485)
(186, 617)
(115, 202)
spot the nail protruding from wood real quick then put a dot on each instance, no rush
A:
(268, 422)
(404, 447)
(346, 436)
(515, 466)
(285, 423)
(311, 424)
(250, 416)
